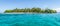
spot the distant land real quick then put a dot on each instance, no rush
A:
(31, 10)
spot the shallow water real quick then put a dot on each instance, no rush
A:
(30, 19)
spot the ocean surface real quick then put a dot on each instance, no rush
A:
(30, 19)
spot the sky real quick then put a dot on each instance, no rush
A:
(12, 4)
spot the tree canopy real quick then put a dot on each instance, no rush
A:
(33, 10)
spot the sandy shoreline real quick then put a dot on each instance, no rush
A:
(27, 13)
(19, 13)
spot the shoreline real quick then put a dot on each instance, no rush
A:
(28, 13)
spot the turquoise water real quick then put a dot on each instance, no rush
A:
(29, 19)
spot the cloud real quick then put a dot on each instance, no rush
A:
(57, 9)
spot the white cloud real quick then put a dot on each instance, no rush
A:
(57, 9)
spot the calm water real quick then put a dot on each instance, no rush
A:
(29, 19)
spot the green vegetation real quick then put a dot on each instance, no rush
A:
(31, 10)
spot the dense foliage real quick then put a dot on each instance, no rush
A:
(31, 10)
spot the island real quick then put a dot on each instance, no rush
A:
(31, 10)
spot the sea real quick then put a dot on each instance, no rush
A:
(30, 19)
